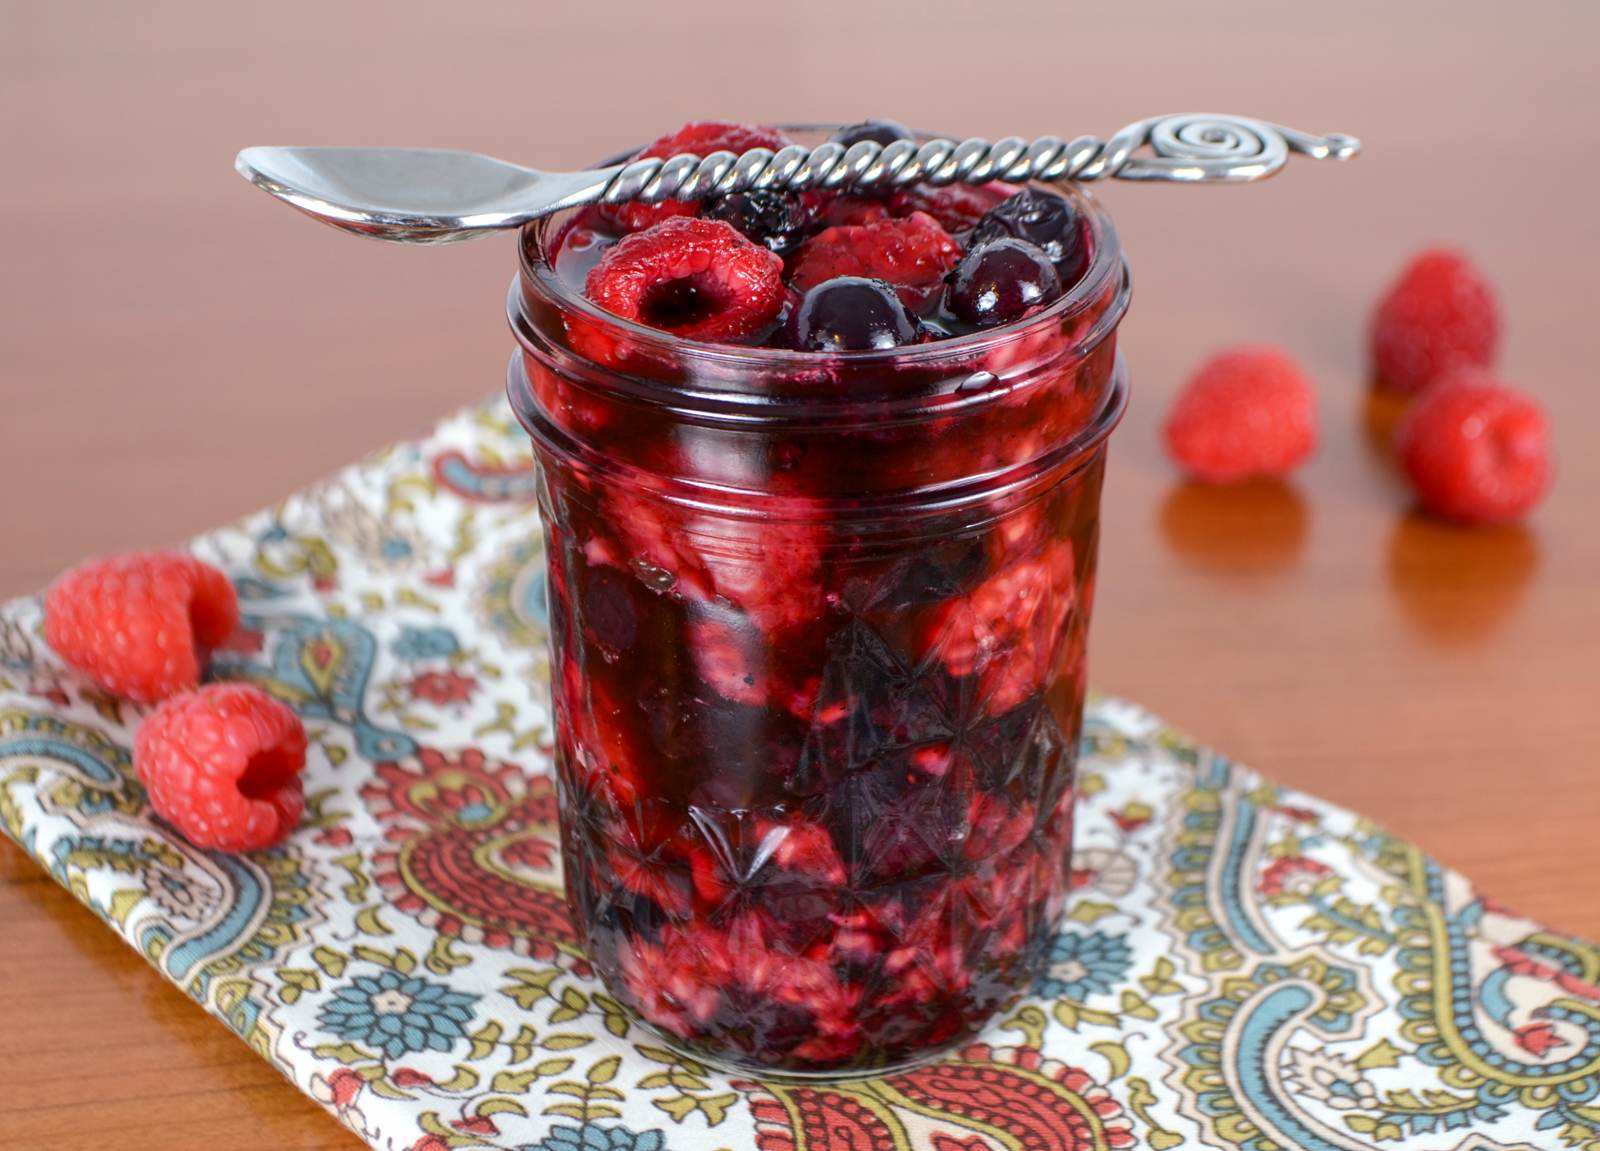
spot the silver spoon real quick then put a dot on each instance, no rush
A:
(427, 196)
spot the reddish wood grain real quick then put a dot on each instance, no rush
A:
(177, 350)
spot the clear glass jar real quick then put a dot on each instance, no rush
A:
(818, 627)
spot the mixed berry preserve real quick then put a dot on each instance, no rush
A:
(818, 600)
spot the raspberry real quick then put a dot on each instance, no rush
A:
(1475, 450)
(784, 1004)
(674, 984)
(833, 208)
(606, 766)
(1007, 630)
(1440, 315)
(649, 877)
(140, 625)
(770, 570)
(769, 856)
(957, 207)
(808, 849)
(571, 405)
(1247, 411)
(912, 254)
(222, 765)
(701, 139)
(697, 279)
(994, 827)
(728, 661)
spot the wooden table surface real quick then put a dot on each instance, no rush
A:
(176, 350)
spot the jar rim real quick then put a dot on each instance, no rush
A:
(947, 496)
(1106, 262)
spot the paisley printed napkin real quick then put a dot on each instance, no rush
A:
(1242, 966)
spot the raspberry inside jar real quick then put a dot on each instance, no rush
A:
(818, 622)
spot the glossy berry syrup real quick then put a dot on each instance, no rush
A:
(820, 478)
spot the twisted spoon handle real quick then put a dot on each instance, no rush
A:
(1188, 148)
(431, 196)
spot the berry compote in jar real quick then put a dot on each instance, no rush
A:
(820, 478)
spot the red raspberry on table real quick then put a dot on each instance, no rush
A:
(140, 625)
(1475, 450)
(912, 254)
(222, 765)
(1440, 315)
(1247, 411)
(700, 138)
(696, 279)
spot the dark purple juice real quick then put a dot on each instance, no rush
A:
(818, 617)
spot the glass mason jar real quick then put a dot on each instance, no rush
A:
(818, 629)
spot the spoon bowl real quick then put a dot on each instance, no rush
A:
(415, 195)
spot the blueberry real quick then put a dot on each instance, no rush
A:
(850, 314)
(608, 610)
(998, 282)
(1043, 219)
(878, 131)
(776, 219)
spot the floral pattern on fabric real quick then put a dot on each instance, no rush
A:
(398, 1015)
(1241, 966)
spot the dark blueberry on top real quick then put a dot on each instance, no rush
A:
(998, 282)
(878, 131)
(776, 219)
(1044, 219)
(850, 314)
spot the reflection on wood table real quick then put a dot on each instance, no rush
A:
(178, 350)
